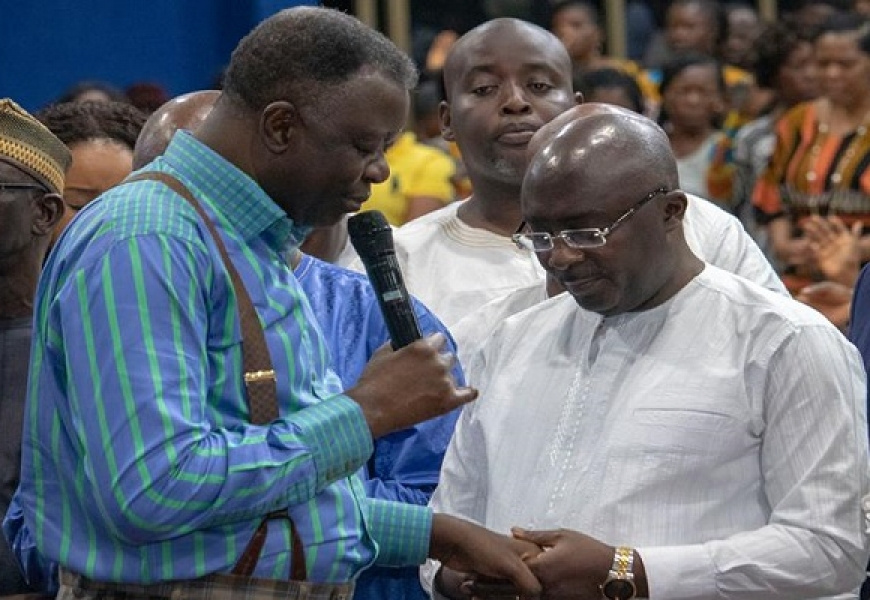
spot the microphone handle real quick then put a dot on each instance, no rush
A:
(393, 299)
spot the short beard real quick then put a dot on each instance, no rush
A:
(507, 172)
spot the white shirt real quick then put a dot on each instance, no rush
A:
(454, 268)
(692, 168)
(723, 434)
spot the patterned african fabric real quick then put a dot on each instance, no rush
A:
(812, 172)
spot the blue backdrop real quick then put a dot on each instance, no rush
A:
(48, 45)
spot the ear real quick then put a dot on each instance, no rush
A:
(279, 121)
(446, 120)
(675, 209)
(47, 212)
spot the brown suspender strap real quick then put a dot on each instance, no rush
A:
(249, 558)
(259, 375)
(259, 380)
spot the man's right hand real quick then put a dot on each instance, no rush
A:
(404, 387)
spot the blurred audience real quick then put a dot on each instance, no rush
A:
(610, 86)
(700, 27)
(577, 24)
(92, 91)
(693, 104)
(743, 27)
(147, 96)
(427, 126)
(421, 180)
(783, 65)
(101, 137)
(816, 189)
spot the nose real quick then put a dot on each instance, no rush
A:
(377, 170)
(562, 256)
(515, 101)
(832, 72)
(692, 97)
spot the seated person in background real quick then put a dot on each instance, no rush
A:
(743, 28)
(610, 86)
(693, 105)
(701, 27)
(784, 66)
(577, 24)
(643, 457)
(820, 168)
(101, 137)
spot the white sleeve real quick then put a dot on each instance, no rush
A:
(719, 238)
(461, 490)
(741, 255)
(814, 462)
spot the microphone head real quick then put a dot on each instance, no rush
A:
(370, 234)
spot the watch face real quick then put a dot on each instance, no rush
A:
(618, 589)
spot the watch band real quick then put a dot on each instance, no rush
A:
(623, 563)
(619, 584)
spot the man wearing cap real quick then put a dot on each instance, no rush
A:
(32, 166)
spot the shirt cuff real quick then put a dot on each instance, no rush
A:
(338, 436)
(679, 572)
(402, 532)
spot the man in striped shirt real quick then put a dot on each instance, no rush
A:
(140, 461)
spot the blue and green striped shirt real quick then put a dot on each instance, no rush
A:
(139, 461)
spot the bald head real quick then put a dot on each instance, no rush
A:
(184, 112)
(611, 172)
(480, 41)
(605, 141)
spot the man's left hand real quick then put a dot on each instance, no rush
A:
(466, 547)
(573, 565)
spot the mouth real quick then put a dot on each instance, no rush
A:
(354, 203)
(577, 285)
(517, 135)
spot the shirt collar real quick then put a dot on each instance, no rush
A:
(231, 192)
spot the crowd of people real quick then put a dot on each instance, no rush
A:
(639, 284)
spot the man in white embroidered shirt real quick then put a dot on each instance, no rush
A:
(683, 433)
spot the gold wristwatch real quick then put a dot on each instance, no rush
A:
(619, 584)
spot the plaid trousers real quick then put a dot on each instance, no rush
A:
(212, 587)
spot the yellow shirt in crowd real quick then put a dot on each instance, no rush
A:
(416, 170)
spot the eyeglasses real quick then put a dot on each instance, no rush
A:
(22, 186)
(580, 239)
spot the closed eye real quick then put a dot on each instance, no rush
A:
(483, 90)
(539, 86)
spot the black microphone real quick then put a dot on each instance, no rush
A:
(372, 238)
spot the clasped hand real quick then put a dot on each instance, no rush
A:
(567, 564)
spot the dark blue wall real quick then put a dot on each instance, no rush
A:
(48, 45)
